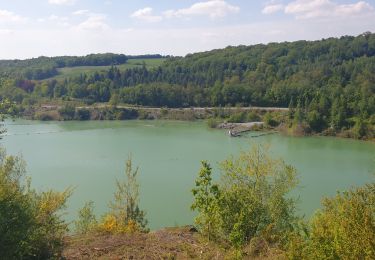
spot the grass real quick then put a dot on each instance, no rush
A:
(70, 72)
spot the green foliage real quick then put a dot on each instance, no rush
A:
(237, 118)
(360, 128)
(30, 222)
(345, 227)
(212, 122)
(250, 201)
(252, 117)
(254, 197)
(327, 84)
(86, 219)
(125, 207)
(269, 120)
(315, 121)
(205, 201)
(45, 67)
(82, 114)
(67, 112)
(8, 108)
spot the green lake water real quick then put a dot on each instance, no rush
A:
(89, 156)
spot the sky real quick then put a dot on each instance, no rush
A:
(33, 28)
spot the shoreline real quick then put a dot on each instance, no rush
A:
(272, 130)
(216, 117)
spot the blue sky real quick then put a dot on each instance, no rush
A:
(76, 27)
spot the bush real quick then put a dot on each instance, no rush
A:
(344, 228)
(47, 116)
(125, 208)
(82, 114)
(30, 223)
(237, 118)
(269, 120)
(86, 219)
(250, 201)
(125, 114)
(111, 224)
(252, 117)
(67, 112)
(212, 122)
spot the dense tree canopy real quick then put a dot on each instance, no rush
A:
(329, 84)
(45, 67)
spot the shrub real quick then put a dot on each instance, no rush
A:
(82, 114)
(125, 207)
(47, 116)
(251, 200)
(30, 223)
(344, 228)
(252, 117)
(67, 112)
(269, 120)
(111, 224)
(86, 219)
(237, 118)
(124, 114)
(212, 122)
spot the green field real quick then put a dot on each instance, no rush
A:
(69, 72)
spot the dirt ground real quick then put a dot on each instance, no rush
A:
(169, 243)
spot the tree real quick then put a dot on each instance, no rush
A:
(254, 197)
(359, 128)
(125, 207)
(251, 200)
(86, 219)
(206, 201)
(298, 115)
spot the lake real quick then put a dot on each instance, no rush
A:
(89, 156)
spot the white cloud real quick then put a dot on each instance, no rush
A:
(81, 12)
(54, 41)
(94, 22)
(213, 9)
(62, 2)
(146, 14)
(272, 8)
(53, 20)
(91, 32)
(352, 9)
(305, 9)
(10, 17)
(5, 31)
(59, 20)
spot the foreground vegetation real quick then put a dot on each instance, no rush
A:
(328, 85)
(248, 212)
(250, 209)
(31, 225)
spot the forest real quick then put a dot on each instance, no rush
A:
(46, 67)
(328, 84)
